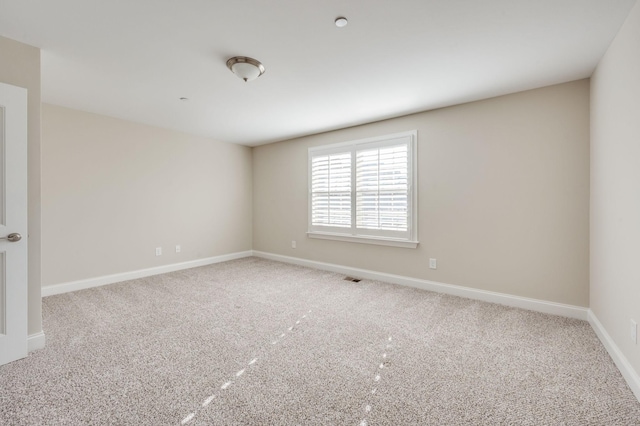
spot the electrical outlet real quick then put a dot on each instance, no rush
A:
(293, 243)
(433, 264)
(158, 251)
(178, 249)
(634, 331)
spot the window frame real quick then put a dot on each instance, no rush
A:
(353, 233)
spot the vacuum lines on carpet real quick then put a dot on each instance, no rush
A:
(210, 398)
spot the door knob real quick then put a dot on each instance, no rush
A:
(12, 238)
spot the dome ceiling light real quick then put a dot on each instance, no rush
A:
(246, 68)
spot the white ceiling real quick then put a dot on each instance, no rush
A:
(134, 59)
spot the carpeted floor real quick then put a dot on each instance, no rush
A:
(256, 342)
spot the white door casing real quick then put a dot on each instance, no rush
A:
(13, 220)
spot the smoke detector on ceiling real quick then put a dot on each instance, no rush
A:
(341, 22)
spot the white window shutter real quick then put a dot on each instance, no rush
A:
(382, 188)
(331, 190)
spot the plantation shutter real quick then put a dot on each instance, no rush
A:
(382, 188)
(331, 190)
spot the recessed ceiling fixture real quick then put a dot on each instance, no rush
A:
(246, 68)
(341, 22)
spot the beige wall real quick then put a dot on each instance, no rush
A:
(20, 66)
(503, 196)
(114, 190)
(615, 188)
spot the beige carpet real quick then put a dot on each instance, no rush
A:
(255, 342)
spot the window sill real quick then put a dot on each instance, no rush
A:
(363, 240)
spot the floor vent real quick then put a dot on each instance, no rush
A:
(354, 280)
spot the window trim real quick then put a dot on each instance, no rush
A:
(337, 233)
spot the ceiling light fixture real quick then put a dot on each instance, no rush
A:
(341, 22)
(246, 68)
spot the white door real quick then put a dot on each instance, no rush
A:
(13, 223)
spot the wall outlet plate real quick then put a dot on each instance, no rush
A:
(634, 332)
(433, 264)
(158, 251)
(178, 249)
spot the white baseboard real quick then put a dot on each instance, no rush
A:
(35, 341)
(141, 273)
(467, 292)
(627, 371)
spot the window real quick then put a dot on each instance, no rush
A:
(365, 191)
